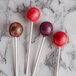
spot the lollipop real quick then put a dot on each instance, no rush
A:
(46, 29)
(15, 30)
(33, 15)
(60, 39)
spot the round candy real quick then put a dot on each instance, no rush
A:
(15, 29)
(33, 14)
(60, 38)
(46, 28)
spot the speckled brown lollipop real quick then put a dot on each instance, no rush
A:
(15, 29)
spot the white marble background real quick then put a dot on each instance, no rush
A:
(61, 13)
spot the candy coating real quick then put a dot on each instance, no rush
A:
(15, 29)
(46, 28)
(60, 38)
(33, 14)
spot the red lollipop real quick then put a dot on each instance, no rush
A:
(60, 39)
(33, 15)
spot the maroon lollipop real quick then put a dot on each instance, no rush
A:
(46, 29)
(16, 30)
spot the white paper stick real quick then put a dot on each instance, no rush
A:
(27, 65)
(16, 59)
(57, 69)
(38, 55)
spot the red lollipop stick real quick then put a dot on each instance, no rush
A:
(46, 29)
(15, 30)
(60, 39)
(33, 15)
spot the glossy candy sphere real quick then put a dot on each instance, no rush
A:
(15, 29)
(46, 28)
(60, 38)
(33, 14)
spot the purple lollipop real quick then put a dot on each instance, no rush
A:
(46, 29)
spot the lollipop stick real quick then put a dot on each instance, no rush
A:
(57, 73)
(38, 55)
(16, 59)
(27, 66)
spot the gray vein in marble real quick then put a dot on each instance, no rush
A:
(42, 3)
(51, 60)
(3, 56)
(73, 58)
(2, 73)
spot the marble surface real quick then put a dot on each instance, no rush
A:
(61, 13)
